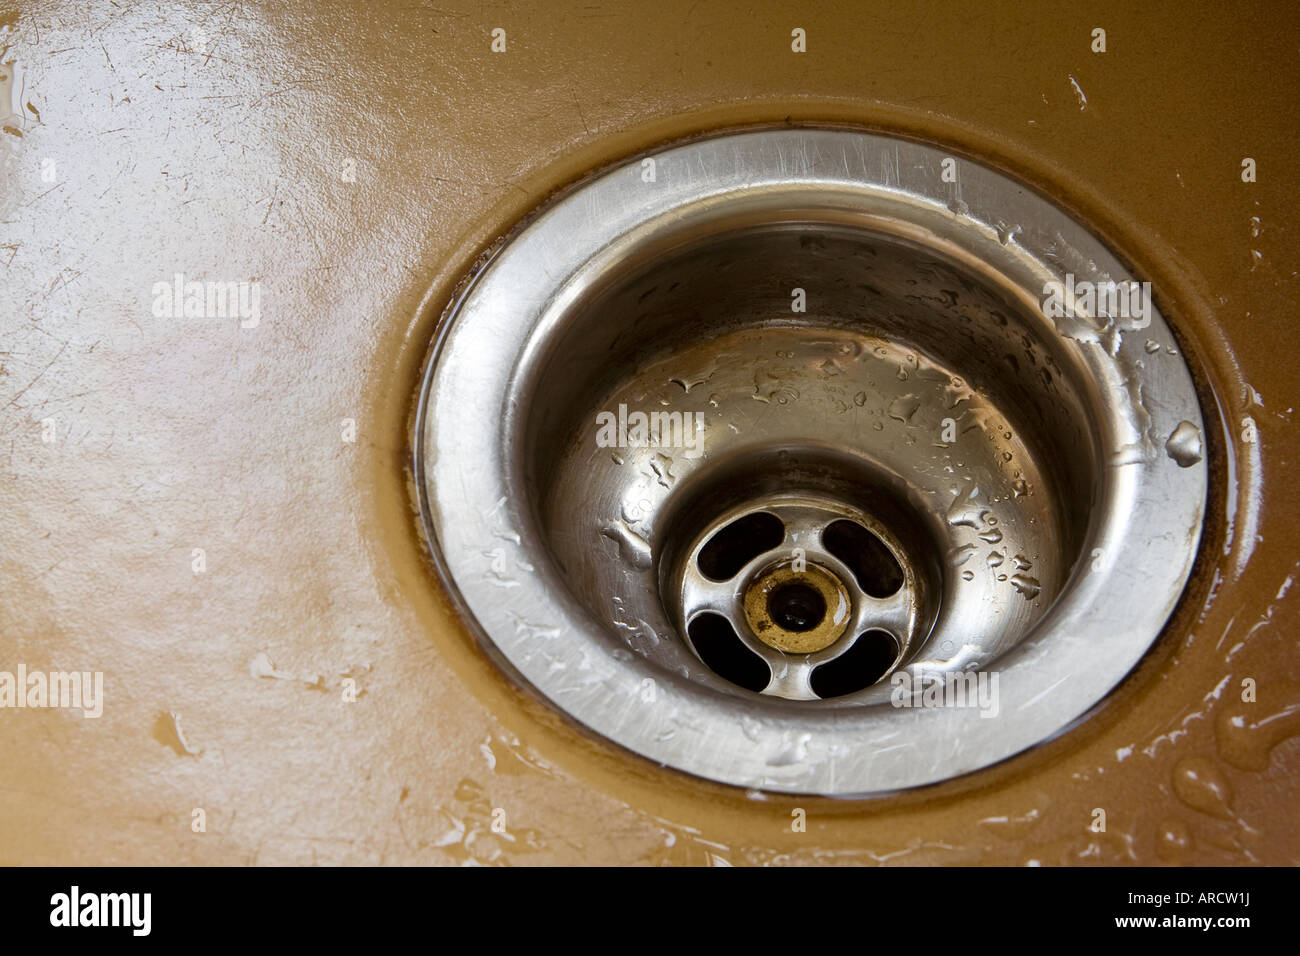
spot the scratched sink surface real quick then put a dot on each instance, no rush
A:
(357, 182)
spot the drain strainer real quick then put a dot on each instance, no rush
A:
(798, 598)
(756, 454)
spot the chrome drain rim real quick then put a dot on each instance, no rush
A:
(479, 423)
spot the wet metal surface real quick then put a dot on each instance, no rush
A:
(222, 521)
(913, 373)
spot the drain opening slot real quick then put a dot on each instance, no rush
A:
(721, 649)
(863, 664)
(873, 565)
(734, 546)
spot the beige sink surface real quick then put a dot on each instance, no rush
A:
(224, 154)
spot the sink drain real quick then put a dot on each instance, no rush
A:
(798, 598)
(729, 462)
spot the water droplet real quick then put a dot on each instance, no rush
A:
(1173, 840)
(965, 510)
(1245, 737)
(1200, 784)
(904, 407)
(661, 465)
(636, 511)
(688, 382)
(1184, 445)
(772, 386)
(860, 399)
(995, 559)
(793, 750)
(527, 629)
(633, 548)
(968, 575)
(1131, 454)
(1026, 585)
(1079, 94)
(961, 555)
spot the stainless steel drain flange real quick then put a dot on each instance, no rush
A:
(731, 442)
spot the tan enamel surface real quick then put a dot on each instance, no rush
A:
(223, 160)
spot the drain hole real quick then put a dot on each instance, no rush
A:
(796, 606)
(873, 565)
(739, 543)
(860, 666)
(716, 642)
